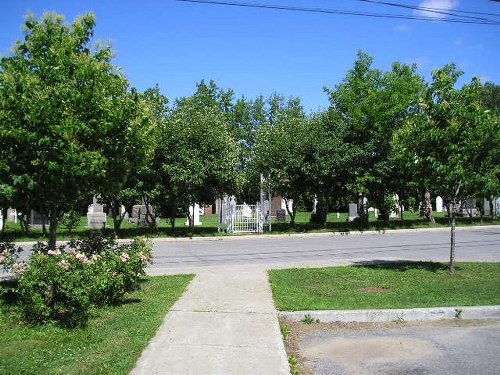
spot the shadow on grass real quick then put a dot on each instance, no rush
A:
(277, 227)
(8, 295)
(403, 265)
(378, 225)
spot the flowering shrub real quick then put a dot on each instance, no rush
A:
(62, 285)
(8, 255)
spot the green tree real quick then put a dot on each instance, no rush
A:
(134, 178)
(491, 96)
(197, 155)
(373, 104)
(284, 149)
(446, 143)
(62, 108)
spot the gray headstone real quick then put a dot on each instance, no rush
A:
(139, 214)
(37, 220)
(353, 211)
(486, 206)
(96, 208)
(281, 215)
(96, 220)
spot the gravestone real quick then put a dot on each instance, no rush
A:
(194, 211)
(353, 211)
(96, 217)
(37, 220)
(439, 204)
(139, 215)
(11, 215)
(280, 215)
(486, 205)
(395, 214)
(1, 218)
(468, 207)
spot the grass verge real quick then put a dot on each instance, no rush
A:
(390, 285)
(411, 220)
(111, 344)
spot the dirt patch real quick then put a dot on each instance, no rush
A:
(376, 349)
(354, 354)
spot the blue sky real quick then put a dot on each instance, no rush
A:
(261, 51)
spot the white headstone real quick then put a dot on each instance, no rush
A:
(194, 211)
(1, 218)
(11, 215)
(439, 204)
(96, 217)
(487, 210)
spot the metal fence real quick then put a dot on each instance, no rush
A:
(242, 218)
(246, 219)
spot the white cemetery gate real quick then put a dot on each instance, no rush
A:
(246, 219)
(243, 218)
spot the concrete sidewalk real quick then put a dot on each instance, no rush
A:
(225, 323)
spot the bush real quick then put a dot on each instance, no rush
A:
(8, 255)
(62, 285)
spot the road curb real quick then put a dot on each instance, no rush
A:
(288, 235)
(396, 315)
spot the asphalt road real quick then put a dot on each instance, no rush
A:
(446, 347)
(472, 244)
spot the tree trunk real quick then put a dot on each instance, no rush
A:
(23, 223)
(363, 214)
(452, 242)
(4, 210)
(428, 207)
(44, 227)
(291, 213)
(385, 215)
(53, 221)
(321, 212)
(492, 212)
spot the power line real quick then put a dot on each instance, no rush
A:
(435, 10)
(342, 12)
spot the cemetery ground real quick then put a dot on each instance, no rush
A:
(110, 344)
(208, 228)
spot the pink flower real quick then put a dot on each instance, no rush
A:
(64, 264)
(144, 258)
(54, 252)
(95, 257)
(82, 258)
(124, 257)
(20, 268)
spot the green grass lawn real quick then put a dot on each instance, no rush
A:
(386, 286)
(111, 344)
(209, 227)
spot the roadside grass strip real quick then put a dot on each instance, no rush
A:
(110, 344)
(208, 228)
(391, 285)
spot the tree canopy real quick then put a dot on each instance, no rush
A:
(66, 115)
